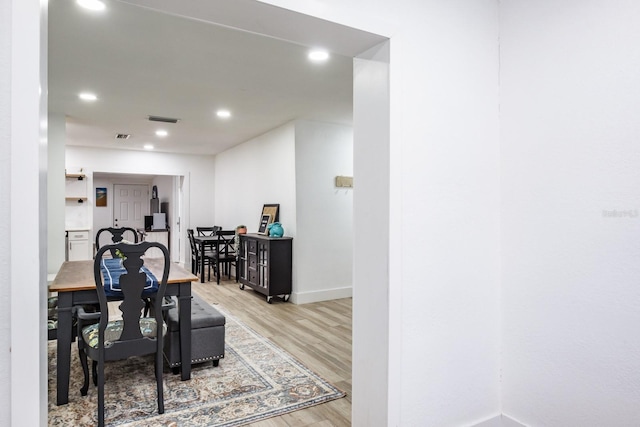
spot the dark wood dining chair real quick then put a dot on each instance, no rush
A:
(116, 235)
(209, 258)
(225, 253)
(207, 231)
(133, 334)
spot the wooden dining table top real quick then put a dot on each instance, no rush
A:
(78, 275)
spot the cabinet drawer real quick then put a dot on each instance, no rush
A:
(253, 277)
(253, 246)
(78, 235)
(253, 262)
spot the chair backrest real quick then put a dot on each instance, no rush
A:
(135, 282)
(192, 243)
(117, 235)
(226, 247)
(207, 231)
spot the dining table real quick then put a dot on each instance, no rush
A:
(75, 285)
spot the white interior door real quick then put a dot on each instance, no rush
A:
(130, 205)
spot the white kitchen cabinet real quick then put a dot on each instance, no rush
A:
(78, 245)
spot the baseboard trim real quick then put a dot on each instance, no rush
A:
(323, 295)
(501, 420)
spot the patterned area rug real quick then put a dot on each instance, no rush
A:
(255, 380)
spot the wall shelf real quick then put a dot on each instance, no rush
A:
(75, 199)
(75, 187)
(78, 176)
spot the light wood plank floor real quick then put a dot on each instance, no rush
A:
(317, 334)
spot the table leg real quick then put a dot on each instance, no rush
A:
(65, 325)
(184, 307)
(202, 245)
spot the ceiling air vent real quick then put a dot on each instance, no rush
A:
(123, 136)
(163, 119)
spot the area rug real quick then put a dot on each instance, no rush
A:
(255, 380)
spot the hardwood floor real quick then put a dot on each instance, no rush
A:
(317, 334)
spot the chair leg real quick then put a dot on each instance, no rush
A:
(94, 371)
(147, 306)
(101, 394)
(159, 384)
(85, 370)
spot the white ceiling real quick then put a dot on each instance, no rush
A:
(142, 62)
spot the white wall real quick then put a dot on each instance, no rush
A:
(23, 257)
(55, 193)
(324, 213)
(6, 175)
(249, 175)
(295, 166)
(571, 211)
(371, 359)
(448, 188)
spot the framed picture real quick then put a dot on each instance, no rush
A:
(101, 196)
(272, 209)
(265, 220)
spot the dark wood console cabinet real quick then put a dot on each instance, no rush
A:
(264, 265)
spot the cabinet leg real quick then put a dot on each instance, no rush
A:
(269, 299)
(242, 286)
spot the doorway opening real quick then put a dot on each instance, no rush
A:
(359, 203)
(169, 195)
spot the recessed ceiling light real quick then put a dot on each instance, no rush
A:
(162, 132)
(318, 55)
(86, 96)
(148, 147)
(223, 113)
(91, 4)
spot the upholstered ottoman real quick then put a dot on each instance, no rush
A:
(207, 335)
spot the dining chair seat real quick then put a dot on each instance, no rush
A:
(113, 331)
